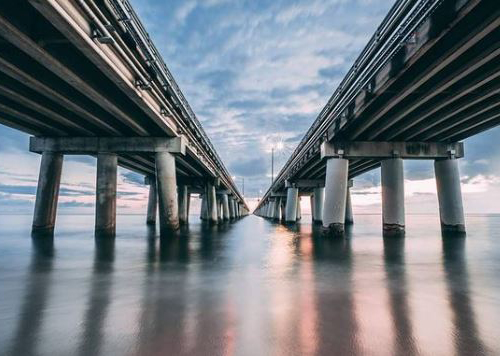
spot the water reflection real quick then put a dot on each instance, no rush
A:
(466, 336)
(397, 285)
(26, 338)
(99, 298)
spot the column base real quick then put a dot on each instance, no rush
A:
(335, 229)
(151, 222)
(42, 231)
(105, 233)
(453, 229)
(318, 222)
(349, 222)
(393, 230)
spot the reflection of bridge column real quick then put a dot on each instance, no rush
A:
(397, 286)
(449, 192)
(167, 191)
(152, 200)
(466, 334)
(183, 197)
(98, 304)
(292, 196)
(318, 199)
(34, 303)
(335, 194)
(47, 193)
(393, 195)
(105, 205)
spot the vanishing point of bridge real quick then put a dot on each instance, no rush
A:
(83, 77)
(428, 78)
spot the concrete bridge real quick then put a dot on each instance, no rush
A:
(83, 77)
(428, 78)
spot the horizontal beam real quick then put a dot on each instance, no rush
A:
(92, 145)
(305, 183)
(381, 150)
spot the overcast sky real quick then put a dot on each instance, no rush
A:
(255, 72)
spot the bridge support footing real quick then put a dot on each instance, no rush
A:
(105, 211)
(335, 195)
(183, 196)
(449, 192)
(47, 193)
(292, 196)
(393, 196)
(152, 201)
(167, 192)
(318, 199)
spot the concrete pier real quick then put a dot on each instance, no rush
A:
(225, 207)
(349, 219)
(318, 200)
(451, 211)
(231, 208)
(167, 192)
(283, 209)
(183, 197)
(105, 212)
(277, 209)
(211, 204)
(152, 201)
(292, 196)
(203, 209)
(299, 209)
(47, 193)
(335, 195)
(393, 202)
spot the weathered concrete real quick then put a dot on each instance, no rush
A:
(47, 193)
(225, 207)
(318, 199)
(105, 212)
(211, 203)
(183, 197)
(449, 192)
(231, 208)
(381, 150)
(299, 209)
(152, 201)
(335, 195)
(292, 196)
(393, 195)
(203, 209)
(349, 219)
(277, 209)
(167, 192)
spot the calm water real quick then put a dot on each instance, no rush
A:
(250, 288)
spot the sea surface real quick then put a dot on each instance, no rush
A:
(252, 287)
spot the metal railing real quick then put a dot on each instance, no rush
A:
(403, 19)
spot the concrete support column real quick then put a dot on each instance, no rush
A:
(225, 207)
(349, 219)
(277, 209)
(167, 191)
(105, 205)
(270, 210)
(335, 195)
(238, 210)
(203, 209)
(319, 198)
(152, 201)
(183, 196)
(449, 192)
(211, 203)
(283, 209)
(393, 195)
(299, 209)
(47, 193)
(231, 208)
(292, 196)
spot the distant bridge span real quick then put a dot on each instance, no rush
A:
(428, 78)
(71, 70)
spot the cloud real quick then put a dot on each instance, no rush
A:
(250, 168)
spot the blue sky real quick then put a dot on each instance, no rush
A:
(255, 72)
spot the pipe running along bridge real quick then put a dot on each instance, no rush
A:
(428, 78)
(83, 77)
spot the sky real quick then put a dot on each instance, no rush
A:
(255, 73)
